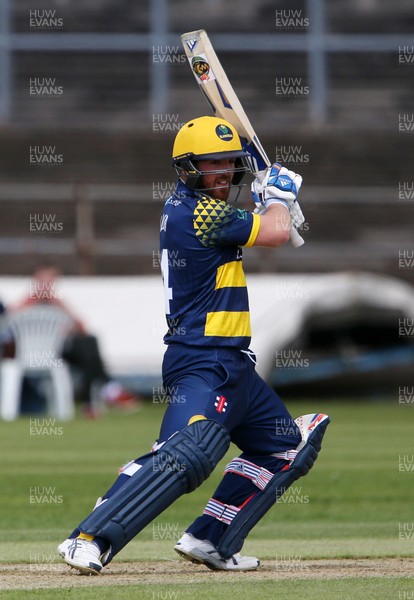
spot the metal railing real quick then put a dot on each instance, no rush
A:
(316, 42)
(86, 244)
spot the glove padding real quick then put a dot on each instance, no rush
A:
(278, 185)
(296, 215)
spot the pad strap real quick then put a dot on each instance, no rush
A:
(222, 512)
(289, 455)
(258, 475)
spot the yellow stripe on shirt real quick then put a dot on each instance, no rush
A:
(254, 231)
(230, 274)
(228, 324)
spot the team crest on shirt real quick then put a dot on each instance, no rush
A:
(220, 404)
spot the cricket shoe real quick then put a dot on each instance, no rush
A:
(83, 555)
(203, 551)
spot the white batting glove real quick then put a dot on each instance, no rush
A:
(278, 185)
(257, 192)
(295, 212)
(296, 215)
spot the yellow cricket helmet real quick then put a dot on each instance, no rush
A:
(207, 138)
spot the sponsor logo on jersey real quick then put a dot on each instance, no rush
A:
(220, 404)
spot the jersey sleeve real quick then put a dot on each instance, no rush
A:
(217, 223)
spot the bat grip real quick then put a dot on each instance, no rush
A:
(296, 239)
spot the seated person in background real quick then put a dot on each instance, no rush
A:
(81, 349)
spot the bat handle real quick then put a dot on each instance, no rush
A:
(296, 239)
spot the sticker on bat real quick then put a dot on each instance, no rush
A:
(202, 69)
(192, 42)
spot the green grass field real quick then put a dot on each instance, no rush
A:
(357, 503)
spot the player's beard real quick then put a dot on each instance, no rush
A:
(218, 188)
(221, 192)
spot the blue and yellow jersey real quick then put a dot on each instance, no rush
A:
(201, 261)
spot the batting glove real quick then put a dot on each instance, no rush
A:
(295, 212)
(278, 185)
(257, 191)
(296, 215)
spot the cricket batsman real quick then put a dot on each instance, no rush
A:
(216, 396)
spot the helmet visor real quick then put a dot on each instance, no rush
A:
(220, 155)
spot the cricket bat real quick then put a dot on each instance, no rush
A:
(223, 101)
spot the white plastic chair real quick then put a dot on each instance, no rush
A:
(39, 333)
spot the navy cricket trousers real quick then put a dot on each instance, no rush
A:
(222, 384)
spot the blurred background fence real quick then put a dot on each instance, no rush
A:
(91, 97)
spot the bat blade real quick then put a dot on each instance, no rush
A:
(223, 101)
(220, 94)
